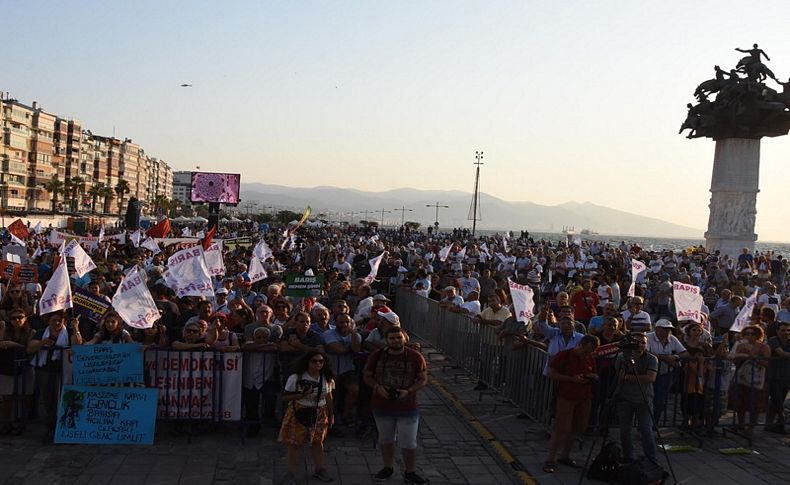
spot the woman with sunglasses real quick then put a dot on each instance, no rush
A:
(16, 377)
(15, 297)
(751, 358)
(191, 338)
(308, 388)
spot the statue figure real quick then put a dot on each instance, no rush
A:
(753, 66)
(711, 85)
(784, 97)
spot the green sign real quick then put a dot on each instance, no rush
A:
(297, 284)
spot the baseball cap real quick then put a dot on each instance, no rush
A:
(664, 323)
(391, 317)
(449, 288)
(380, 298)
(221, 291)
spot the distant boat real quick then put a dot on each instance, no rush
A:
(568, 230)
(589, 232)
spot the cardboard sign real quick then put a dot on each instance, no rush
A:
(87, 305)
(95, 365)
(106, 415)
(297, 284)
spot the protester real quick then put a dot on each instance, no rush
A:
(779, 383)
(750, 355)
(16, 378)
(308, 415)
(396, 373)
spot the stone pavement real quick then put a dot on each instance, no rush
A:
(466, 437)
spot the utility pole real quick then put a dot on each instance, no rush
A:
(476, 195)
(403, 210)
(437, 206)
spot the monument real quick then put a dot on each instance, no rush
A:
(744, 109)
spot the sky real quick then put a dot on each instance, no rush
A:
(568, 100)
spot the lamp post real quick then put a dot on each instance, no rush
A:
(437, 206)
(403, 211)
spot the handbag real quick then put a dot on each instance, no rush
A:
(751, 375)
(307, 416)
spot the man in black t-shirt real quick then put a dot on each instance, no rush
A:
(779, 383)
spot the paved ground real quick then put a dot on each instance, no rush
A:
(465, 438)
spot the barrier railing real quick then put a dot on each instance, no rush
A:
(698, 395)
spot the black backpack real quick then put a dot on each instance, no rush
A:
(606, 466)
(642, 472)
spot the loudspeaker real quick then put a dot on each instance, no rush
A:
(132, 218)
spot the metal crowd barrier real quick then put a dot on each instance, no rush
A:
(518, 375)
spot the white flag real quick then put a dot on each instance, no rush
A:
(214, 261)
(292, 244)
(460, 255)
(636, 268)
(187, 273)
(133, 301)
(36, 253)
(688, 302)
(374, 268)
(745, 315)
(151, 245)
(444, 252)
(577, 240)
(101, 234)
(83, 264)
(256, 270)
(523, 301)
(37, 228)
(135, 237)
(57, 294)
(16, 240)
(201, 234)
(186, 232)
(262, 251)
(504, 244)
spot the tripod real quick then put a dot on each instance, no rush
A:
(629, 365)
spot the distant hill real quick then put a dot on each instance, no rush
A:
(497, 214)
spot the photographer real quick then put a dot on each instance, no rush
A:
(636, 374)
(396, 373)
(574, 371)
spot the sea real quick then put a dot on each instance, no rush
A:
(657, 243)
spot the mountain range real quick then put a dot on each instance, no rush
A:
(497, 214)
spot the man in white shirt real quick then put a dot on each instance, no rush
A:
(468, 283)
(769, 299)
(636, 319)
(669, 351)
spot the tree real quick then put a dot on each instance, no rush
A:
(54, 187)
(411, 225)
(77, 189)
(95, 192)
(108, 194)
(121, 188)
(286, 216)
(161, 204)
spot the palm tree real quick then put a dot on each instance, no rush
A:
(161, 204)
(121, 188)
(108, 195)
(54, 187)
(68, 186)
(77, 189)
(95, 192)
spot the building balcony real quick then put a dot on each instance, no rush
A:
(14, 167)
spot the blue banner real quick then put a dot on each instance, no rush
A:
(106, 415)
(107, 364)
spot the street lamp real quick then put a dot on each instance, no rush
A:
(437, 207)
(403, 211)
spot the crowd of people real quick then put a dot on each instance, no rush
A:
(339, 361)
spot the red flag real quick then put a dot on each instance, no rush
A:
(161, 229)
(19, 229)
(209, 236)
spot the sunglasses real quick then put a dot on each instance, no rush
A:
(17, 317)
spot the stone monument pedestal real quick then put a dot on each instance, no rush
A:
(733, 201)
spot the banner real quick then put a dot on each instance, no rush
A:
(374, 268)
(745, 315)
(151, 245)
(83, 264)
(134, 302)
(688, 302)
(57, 294)
(523, 302)
(187, 273)
(106, 415)
(56, 238)
(214, 260)
(89, 306)
(444, 252)
(297, 284)
(97, 365)
(637, 267)
(23, 273)
(196, 385)
(237, 242)
(262, 251)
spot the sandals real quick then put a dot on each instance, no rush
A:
(549, 467)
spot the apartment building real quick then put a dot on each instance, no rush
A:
(39, 147)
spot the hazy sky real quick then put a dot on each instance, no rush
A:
(569, 100)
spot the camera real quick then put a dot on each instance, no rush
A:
(628, 345)
(392, 393)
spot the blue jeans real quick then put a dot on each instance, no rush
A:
(625, 414)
